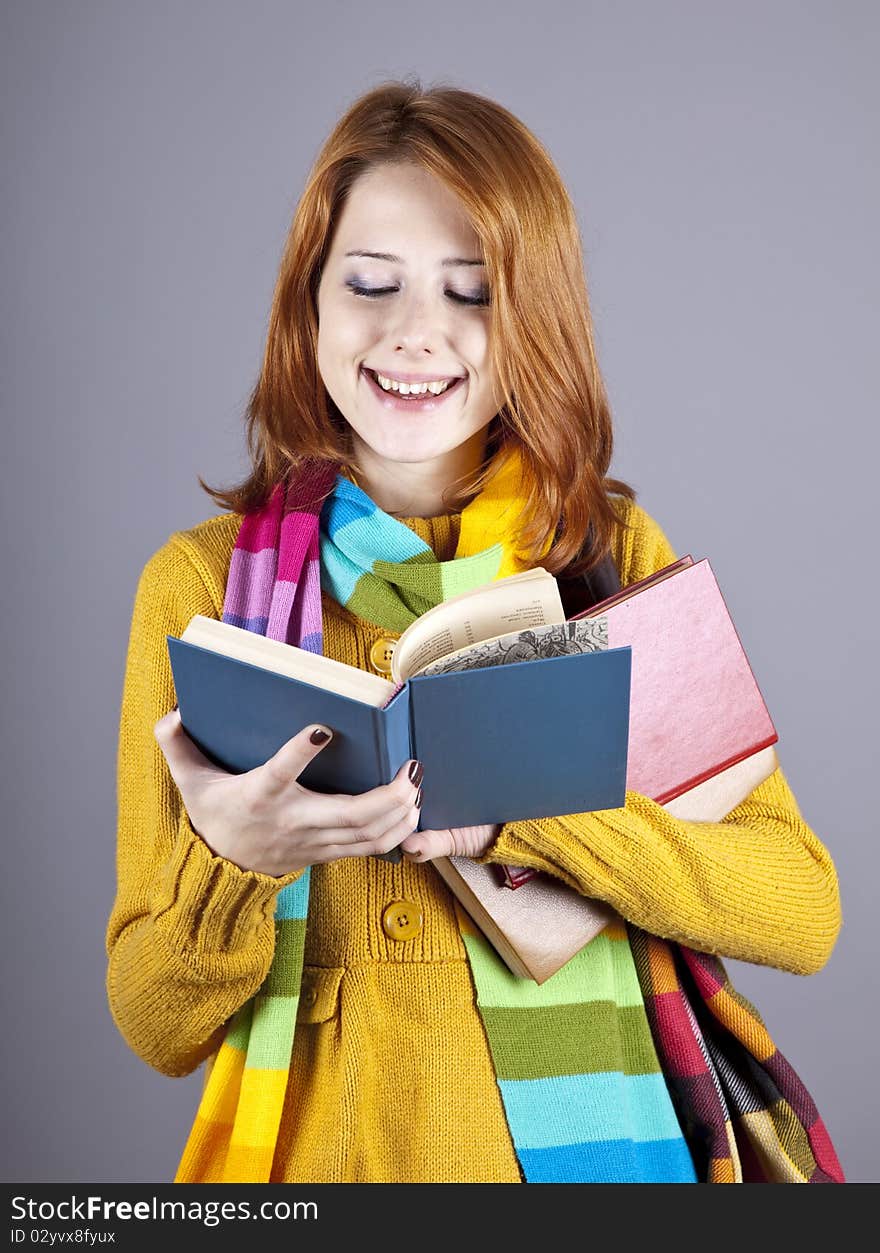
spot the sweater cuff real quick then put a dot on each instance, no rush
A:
(206, 903)
(518, 844)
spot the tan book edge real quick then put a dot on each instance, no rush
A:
(534, 929)
(537, 927)
(521, 601)
(287, 659)
(713, 799)
(515, 603)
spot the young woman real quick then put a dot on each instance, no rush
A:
(430, 415)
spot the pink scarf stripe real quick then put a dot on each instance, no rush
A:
(280, 612)
(297, 534)
(259, 530)
(251, 581)
(306, 623)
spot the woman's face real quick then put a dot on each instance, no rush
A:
(427, 320)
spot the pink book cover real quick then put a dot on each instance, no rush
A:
(695, 707)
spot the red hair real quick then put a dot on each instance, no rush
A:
(541, 333)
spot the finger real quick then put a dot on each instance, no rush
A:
(180, 752)
(426, 845)
(362, 811)
(285, 766)
(341, 846)
(372, 837)
(452, 842)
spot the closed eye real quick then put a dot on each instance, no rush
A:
(372, 292)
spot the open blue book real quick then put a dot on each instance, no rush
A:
(514, 712)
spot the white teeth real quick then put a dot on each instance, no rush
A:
(413, 389)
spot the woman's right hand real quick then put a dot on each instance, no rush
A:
(265, 820)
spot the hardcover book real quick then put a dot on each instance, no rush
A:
(701, 739)
(473, 699)
(696, 708)
(513, 712)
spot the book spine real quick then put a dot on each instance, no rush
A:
(380, 735)
(393, 733)
(516, 876)
(414, 751)
(390, 733)
(673, 793)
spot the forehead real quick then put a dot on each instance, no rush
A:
(396, 208)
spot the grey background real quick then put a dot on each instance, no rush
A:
(721, 162)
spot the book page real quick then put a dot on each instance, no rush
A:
(554, 640)
(281, 658)
(529, 599)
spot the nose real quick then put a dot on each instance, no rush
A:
(420, 326)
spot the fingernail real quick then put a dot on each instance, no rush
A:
(418, 799)
(319, 736)
(416, 771)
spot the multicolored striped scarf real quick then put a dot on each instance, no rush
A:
(578, 1058)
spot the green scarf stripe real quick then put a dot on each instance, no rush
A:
(272, 1032)
(284, 976)
(457, 576)
(377, 602)
(239, 1028)
(599, 972)
(417, 581)
(538, 1043)
(396, 593)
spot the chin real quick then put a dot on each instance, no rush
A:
(413, 453)
(405, 445)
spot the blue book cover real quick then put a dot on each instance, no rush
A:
(527, 739)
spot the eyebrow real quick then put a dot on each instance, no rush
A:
(389, 256)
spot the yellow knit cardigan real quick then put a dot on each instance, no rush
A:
(391, 1078)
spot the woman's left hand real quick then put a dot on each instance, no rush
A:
(450, 842)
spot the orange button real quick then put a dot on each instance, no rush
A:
(381, 654)
(402, 920)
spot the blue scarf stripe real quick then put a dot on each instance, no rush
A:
(605, 1161)
(353, 522)
(339, 575)
(258, 625)
(293, 901)
(589, 1107)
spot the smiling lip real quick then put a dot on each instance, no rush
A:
(391, 400)
(413, 378)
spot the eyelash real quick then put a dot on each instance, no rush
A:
(372, 292)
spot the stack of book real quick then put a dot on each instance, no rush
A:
(515, 712)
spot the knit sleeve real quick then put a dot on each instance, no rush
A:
(757, 886)
(191, 935)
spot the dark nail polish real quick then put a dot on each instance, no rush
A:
(416, 771)
(393, 855)
(318, 736)
(418, 799)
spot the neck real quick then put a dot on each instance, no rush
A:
(416, 489)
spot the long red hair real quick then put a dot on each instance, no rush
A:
(541, 333)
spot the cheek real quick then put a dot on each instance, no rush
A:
(353, 335)
(474, 346)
